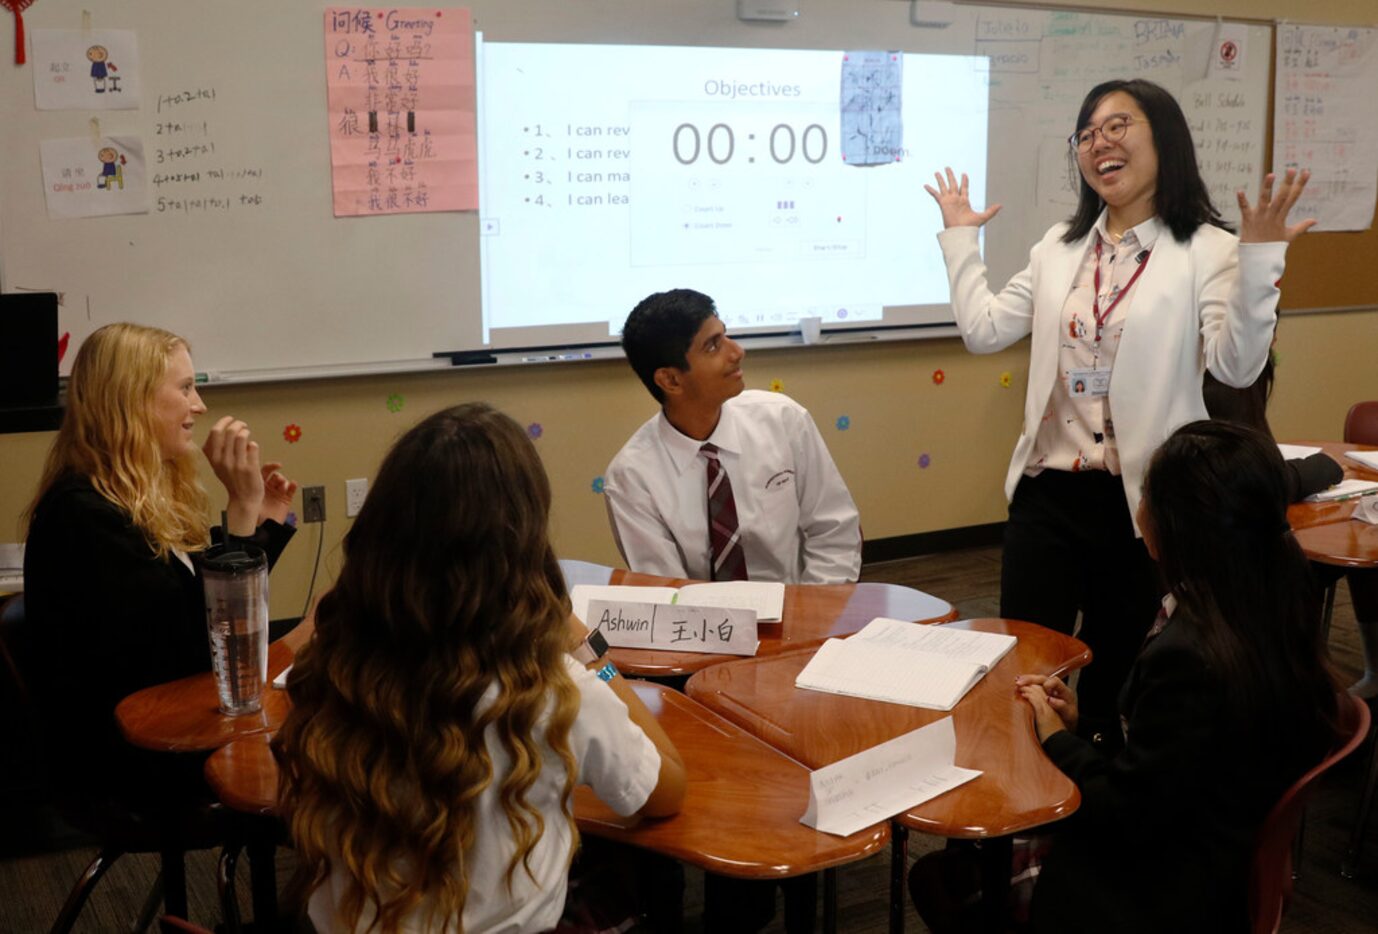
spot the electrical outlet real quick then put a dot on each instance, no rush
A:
(313, 504)
(355, 491)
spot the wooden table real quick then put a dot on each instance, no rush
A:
(184, 715)
(812, 614)
(741, 807)
(1019, 788)
(1327, 532)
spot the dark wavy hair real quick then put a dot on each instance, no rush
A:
(1180, 198)
(660, 330)
(1216, 501)
(449, 587)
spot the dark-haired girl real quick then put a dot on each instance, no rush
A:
(1128, 303)
(1229, 702)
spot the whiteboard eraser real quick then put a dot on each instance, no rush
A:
(773, 10)
(931, 14)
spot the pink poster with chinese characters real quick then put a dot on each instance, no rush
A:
(401, 98)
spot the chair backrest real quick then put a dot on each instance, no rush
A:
(1361, 424)
(1270, 875)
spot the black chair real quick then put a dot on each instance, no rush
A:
(117, 826)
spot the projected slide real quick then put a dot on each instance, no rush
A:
(783, 183)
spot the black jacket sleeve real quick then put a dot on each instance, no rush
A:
(1307, 475)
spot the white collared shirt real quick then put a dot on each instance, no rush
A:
(798, 522)
(614, 756)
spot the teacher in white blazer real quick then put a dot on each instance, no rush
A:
(1128, 303)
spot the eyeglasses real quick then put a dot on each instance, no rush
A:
(1112, 131)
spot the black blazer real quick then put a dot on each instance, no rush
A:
(106, 617)
(1165, 830)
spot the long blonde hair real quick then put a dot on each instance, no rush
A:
(449, 588)
(108, 436)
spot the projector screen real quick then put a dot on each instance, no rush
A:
(608, 172)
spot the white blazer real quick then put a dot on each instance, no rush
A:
(1208, 303)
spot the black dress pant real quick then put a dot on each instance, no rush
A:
(1069, 547)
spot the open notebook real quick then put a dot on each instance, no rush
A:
(905, 663)
(767, 598)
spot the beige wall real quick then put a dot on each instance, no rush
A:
(967, 425)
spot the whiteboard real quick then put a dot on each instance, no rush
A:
(284, 288)
(1043, 62)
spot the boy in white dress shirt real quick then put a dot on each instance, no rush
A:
(794, 519)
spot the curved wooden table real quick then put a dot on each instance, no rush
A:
(184, 715)
(735, 782)
(1019, 787)
(1328, 534)
(812, 614)
(1326, 531)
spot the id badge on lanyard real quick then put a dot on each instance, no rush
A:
(1088, 383)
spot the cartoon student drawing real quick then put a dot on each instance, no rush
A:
(112, 169)
(102, 69)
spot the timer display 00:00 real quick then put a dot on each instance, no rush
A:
(783, 143)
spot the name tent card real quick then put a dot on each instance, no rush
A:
(676, 628)
(885, 780)
(765, 598)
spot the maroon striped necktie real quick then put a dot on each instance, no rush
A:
(724, 538)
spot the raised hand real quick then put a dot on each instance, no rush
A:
(277, 493)
(953, 202)
(1266, 221)
(234, 458)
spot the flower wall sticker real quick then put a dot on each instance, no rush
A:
(292, 433)
(843, 422)
(597, 485)
(534, 430)
(777, 385)
(924, 461)
(938, 377)
(395, 402)
(1005, 379)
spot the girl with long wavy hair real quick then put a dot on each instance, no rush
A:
(112, 591)
(1230, 700)
(439, 724)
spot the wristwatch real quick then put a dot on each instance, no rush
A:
(591, 649)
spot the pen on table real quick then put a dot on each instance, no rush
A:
(1359, 495)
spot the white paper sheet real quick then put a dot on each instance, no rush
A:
(1345, 489)
(85, 177)
(885, 780)
(1368, 458)
(1325, 118)
(1291, 452)
(85, 69)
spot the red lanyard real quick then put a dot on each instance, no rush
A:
(1095, 299)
